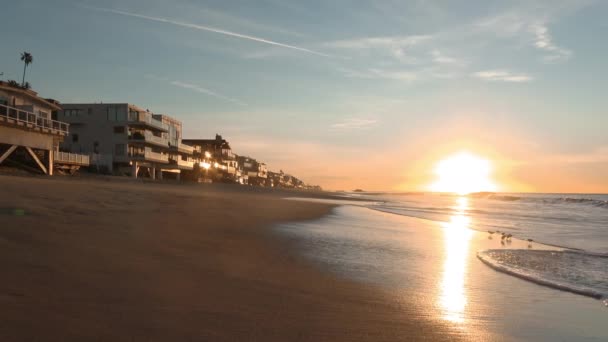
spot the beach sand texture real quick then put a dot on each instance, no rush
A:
(95, 260)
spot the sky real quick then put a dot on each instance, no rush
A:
(345, 94)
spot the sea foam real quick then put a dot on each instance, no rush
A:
(572, 271)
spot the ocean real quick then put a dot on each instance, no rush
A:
(568, 251)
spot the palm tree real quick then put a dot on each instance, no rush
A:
(27, 59)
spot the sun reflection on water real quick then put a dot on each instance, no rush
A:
(453, 296)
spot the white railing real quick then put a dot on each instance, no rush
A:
(181, 147)
(155, 139)
(152, 156)
(149, 137)
(31, 119)
(71, 158)
(147, 119)
(185, 163)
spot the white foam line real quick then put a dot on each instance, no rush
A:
(538, 281)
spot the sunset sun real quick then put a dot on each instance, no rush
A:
(463, 173)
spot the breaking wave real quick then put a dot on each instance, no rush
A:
(600, 203)
(572, 271)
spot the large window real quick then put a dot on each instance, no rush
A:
(111, 112)
(119, 129)
(121, 113)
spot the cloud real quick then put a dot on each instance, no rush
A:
(354, 124)
(441, 58)
(211, 29)
(376, 42)
(502, 75)
(206, 91)
(196, 88)
(375, 73)
(530, 29)
(544, 42)
(212, 15)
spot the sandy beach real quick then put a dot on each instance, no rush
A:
(114, 260)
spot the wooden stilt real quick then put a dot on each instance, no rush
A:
(35, 157)
(7, 153)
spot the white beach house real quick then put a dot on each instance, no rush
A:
(125, 139)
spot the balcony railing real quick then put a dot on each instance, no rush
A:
(183, 148)
(71, 158)
(150, 156)
(150, 138)
(185, 164)
(27, 119)
(146, 118)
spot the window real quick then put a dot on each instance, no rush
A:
(111, 112)
(89, 110)
(121, 114)
(72, 112)
(74, 137)
(119, 129)
(119, 149)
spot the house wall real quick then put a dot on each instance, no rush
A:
(92, 128)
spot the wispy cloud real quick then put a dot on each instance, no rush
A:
(211, 29)
(544, 41)
(502, 76)
(376, 42)
(529, 29)
(397, 75)
(215, 16)
(354, 124)
(196, 88)
(206, 91)
(441, 58)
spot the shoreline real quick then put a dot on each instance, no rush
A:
(90, 259)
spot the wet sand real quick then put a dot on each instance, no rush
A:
(113, 260)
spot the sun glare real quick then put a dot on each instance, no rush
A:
(463, 173)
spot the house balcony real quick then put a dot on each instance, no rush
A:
(71, 158)
(146, 120)
(183, 164)
(149, 156)
(23, 119)
(149, 138)
(183, 148)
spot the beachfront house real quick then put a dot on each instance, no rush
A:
(125, 139)
(216, 160)
(256, 171)
(30, 133)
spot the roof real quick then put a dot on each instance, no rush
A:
(32, 95)
(217, 142)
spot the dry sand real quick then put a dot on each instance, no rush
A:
(99, 260)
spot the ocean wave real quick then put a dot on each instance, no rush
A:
(600, 203)
(572, 271)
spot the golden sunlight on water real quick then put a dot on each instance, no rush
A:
(453, 296)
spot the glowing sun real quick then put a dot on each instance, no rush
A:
(463, 173)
